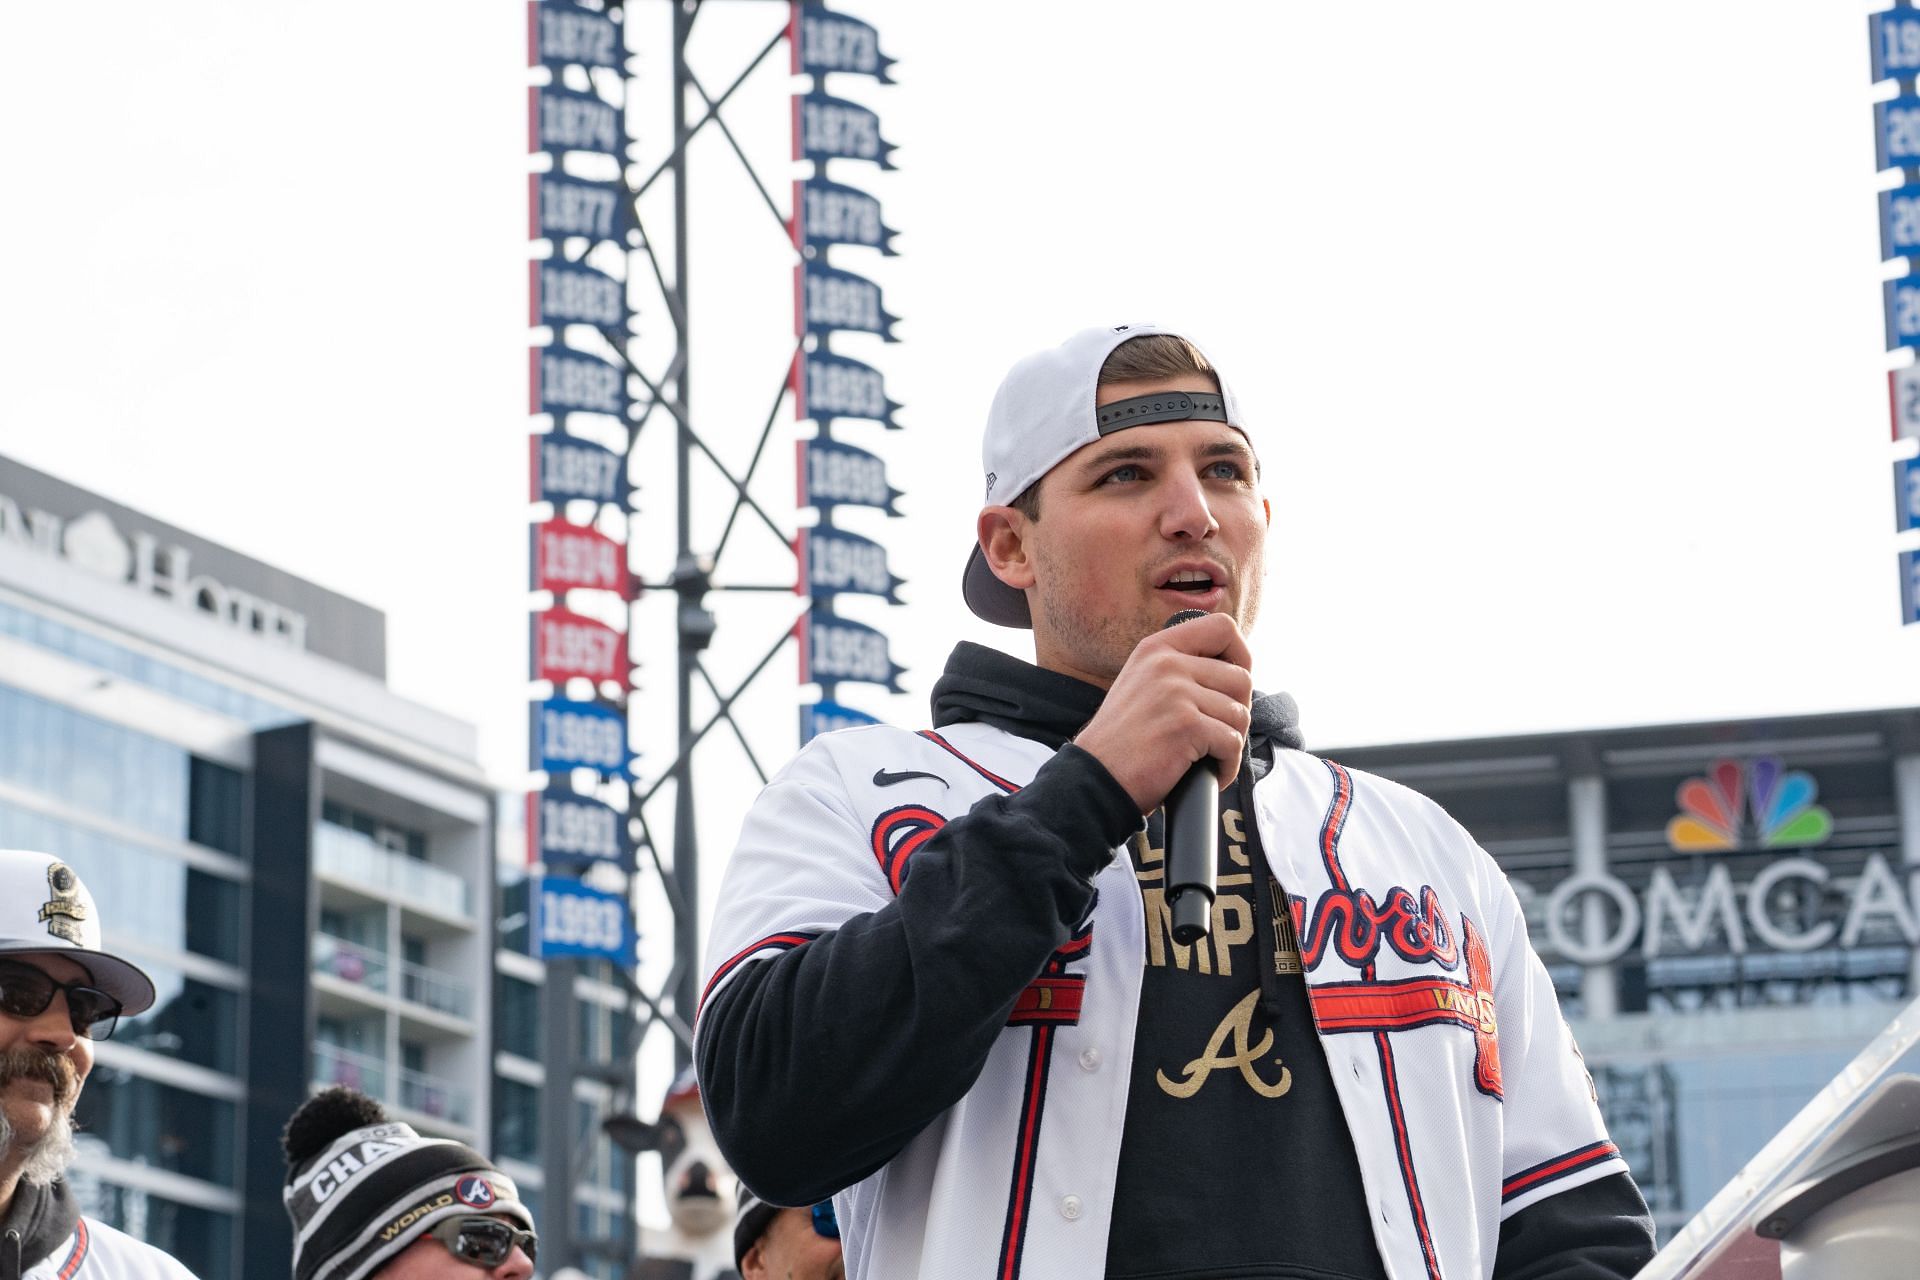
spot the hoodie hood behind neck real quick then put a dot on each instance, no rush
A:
(996, 689)
(44, 1216)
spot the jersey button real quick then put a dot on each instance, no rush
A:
(1090, 1059)
(1070, 1208)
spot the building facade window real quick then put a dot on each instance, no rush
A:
(157, 1125)
(516, 1120)
(516, 1015)
(191, 1020)
(141, 892)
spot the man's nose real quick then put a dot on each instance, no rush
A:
(1185, 513)
(53, 1025)
(517, 1267)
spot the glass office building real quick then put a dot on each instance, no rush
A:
(303, 860)
(1728, 911)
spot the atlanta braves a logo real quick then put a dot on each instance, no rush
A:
(474, 1191)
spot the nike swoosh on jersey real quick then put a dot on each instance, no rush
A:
(881, 778)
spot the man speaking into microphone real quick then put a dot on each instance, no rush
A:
(959, 983)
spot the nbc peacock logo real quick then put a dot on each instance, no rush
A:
(1755, 805)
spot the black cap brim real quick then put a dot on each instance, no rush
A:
(991, 598)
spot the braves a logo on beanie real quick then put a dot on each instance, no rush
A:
(474, 1191)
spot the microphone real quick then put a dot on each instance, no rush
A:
(1193, 835)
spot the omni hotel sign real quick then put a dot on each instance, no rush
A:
(94, 544)
(1747, 808)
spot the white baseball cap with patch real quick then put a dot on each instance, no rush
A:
(1044, 411)
(44, 908)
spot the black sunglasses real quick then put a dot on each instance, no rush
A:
(485, 1242)
(25, 992)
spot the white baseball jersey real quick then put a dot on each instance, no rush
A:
(1460, 1083)
(96, 1251)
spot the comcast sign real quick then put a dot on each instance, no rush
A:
(1746, 807)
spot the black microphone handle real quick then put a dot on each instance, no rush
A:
(1193, 835)
(1193, 838)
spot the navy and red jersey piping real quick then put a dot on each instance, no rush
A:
(1560, 1166)
(71, 1266)
(974, 765)
(785, 941)
(1332, 827)
(1013, 1237)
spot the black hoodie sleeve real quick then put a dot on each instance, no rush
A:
(1600, 1230)
(819, 1064)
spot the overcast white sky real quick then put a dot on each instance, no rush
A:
(1560, 324)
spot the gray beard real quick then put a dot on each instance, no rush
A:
(46, 1159)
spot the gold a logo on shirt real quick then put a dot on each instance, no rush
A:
(1246, 1056)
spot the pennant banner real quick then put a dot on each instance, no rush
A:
(559, 206)
(831, 213)
(567, 647)
(827, 386)
(559, 33)
(834, 129)
(1896, 132)
(1909, 587)
(1906, 495)
(833, 474)
(830, 42)
(825, 717)
(572, 293)
(568, 829)
(1895, 37)
(572, 920)
(562, 119)
(571, 557)
(566, 381)
(834, 301)
(570, 735)
(1903, 312)
(833, 560)
(834, 649)
(569, 470)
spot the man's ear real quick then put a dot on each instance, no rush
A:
(753, 1263)
(1266, 505)
(1002, 532)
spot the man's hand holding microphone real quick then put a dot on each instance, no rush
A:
(1172, 730)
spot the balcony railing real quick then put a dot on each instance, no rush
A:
(430, 1095)
(438, 991)
(334, 1065)
(352, 856)
(349, 961)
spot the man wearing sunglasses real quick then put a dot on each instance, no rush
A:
(770, 1243)
(60, 994)
(369, 1197)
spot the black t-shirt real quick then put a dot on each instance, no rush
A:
(1235, 1160)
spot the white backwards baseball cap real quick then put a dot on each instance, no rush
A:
(44, 908)
(1044, 411)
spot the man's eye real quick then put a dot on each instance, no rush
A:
(1121, 474)
(1224, 471)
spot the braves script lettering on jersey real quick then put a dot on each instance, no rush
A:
(1460, 1083)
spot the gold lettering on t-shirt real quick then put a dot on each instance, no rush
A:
(1234, 826)
(1237, 1026)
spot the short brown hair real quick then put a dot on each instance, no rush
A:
(1151, 357)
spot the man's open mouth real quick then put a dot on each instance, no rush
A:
(1191, 582)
